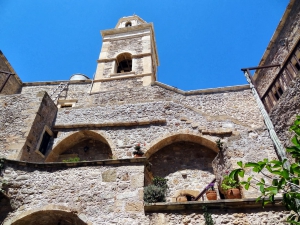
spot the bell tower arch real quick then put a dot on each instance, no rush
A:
(128, 51)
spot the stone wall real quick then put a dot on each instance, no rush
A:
(120, 85)
(87, 150)
(22, 121)
(128, 114)
(13, 84)
(278, 53)
(284, 112)
(243, 216)
(132, 45)
(186, 165)
(75, 90)
(110, 194)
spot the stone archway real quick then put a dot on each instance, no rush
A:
(85, 144)
(49, 215)
(177, 137)
(185, 160)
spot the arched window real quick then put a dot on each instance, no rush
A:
(128, 24)
(124, 63)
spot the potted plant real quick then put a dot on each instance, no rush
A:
(138, 152)
(156, 192)
(211, 194)
(230, 188)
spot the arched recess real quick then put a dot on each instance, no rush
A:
(49, 215)
(5, 206)
(177, 137)
(87, 145)
(185, 160)
(124, 63)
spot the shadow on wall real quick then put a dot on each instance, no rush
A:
(86, 145)
(49, 217)
(186, 165)
(5, 207)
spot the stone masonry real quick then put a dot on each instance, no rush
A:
(108, 117)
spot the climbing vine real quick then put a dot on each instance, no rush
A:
(2, 181)
(207, 216)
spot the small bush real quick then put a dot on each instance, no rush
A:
(154, 193)
(160, 182)
(75, 159)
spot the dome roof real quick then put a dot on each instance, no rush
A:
(79, 76)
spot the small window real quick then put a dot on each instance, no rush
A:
(67, 103)
(128, 24)
(44, 141)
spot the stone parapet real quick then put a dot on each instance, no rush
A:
(75, 164)
(223, 204)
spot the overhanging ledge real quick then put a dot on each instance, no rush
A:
(128, 161)
(218, 204)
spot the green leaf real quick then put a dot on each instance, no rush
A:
(285, 174)
(240, 163)
(295, 181)
(273, 190)
(295, 141)
(247, 186)
(251, 164)
(262, 189)
(276, 162)
(271, 198)
(296, 168)
(269, 168)
(277, 172)
(275, 182)
(241, 173)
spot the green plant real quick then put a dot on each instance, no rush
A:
(2, 181)
(156, 192)
(75, 159)
(278, 177)
(229, 182)
(207, 216)
(210, 187)
(219, 144)
(2, 164)
(160, 182)
(138, 150)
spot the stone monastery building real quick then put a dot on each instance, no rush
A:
(101, 120)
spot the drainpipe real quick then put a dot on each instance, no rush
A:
(279, 148)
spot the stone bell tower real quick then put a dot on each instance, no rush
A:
(128, 51)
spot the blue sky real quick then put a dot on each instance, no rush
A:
(201, 43)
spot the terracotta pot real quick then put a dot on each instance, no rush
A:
(211, 195)
(233, 193)
(137, 156)
(181, 198)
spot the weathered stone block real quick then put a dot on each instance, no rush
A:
(109, 175)
(134, 206)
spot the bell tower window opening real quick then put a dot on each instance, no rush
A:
(124, 62)
(128, 24)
